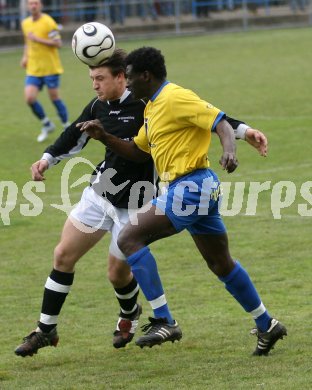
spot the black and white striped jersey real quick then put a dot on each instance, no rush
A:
(122, 118)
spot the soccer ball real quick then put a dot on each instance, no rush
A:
(93, 43)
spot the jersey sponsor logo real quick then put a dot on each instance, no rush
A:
(126, 119)
(114, 112)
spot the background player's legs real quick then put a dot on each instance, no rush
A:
(60, 106)
(31, 95)
(31, 92)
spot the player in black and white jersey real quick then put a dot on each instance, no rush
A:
(103, 206)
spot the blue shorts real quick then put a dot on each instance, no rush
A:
(192, 202)
(52, 81)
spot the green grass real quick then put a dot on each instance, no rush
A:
(261, 77)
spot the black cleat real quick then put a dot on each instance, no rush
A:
(36, 340)
(266, 340)
(159, 331)
(126, 328)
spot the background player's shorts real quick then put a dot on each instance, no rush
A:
(192, 202)
(97, 213)
(52, 81)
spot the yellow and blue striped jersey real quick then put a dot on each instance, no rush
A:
(42, 60)
(177, 131)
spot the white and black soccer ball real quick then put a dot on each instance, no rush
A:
(93, 43)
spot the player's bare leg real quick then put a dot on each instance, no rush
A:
(74, 243)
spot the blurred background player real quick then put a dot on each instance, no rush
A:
(43, 66)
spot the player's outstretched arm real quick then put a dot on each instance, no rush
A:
(228, 159)
(38, 168)
(258, 140)
(253, 136)
(126, 149)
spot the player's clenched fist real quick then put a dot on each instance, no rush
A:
(38, 168)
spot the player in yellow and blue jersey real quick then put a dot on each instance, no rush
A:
(177, 120)
(176, 133)
(43, 66)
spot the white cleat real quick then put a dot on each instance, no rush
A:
(45, 131)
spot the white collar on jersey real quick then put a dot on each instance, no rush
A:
(122, 97)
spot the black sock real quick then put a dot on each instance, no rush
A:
(55, 292)
(127, 298)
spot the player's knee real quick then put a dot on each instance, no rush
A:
(127, 243)
(119, 274)
(112, 276)
(30, 100)
(220, 265)
(63, 259)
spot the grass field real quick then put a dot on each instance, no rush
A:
(261, 77)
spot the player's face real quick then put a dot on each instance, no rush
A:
(107, 86)
(34, 6)
(136, 83)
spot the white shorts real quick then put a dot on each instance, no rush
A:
(97, 213)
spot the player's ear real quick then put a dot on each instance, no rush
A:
(121, 75)
(146, 75)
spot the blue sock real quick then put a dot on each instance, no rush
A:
(61, 110)
(38, 110)
(238, 283)
(144, 269)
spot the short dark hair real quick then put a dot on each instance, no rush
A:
(150, 59)
(116, 62)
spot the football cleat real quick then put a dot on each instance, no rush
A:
(159, 331)
(46, 129)
(267, 340)
(126, 328)
(36, 340)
